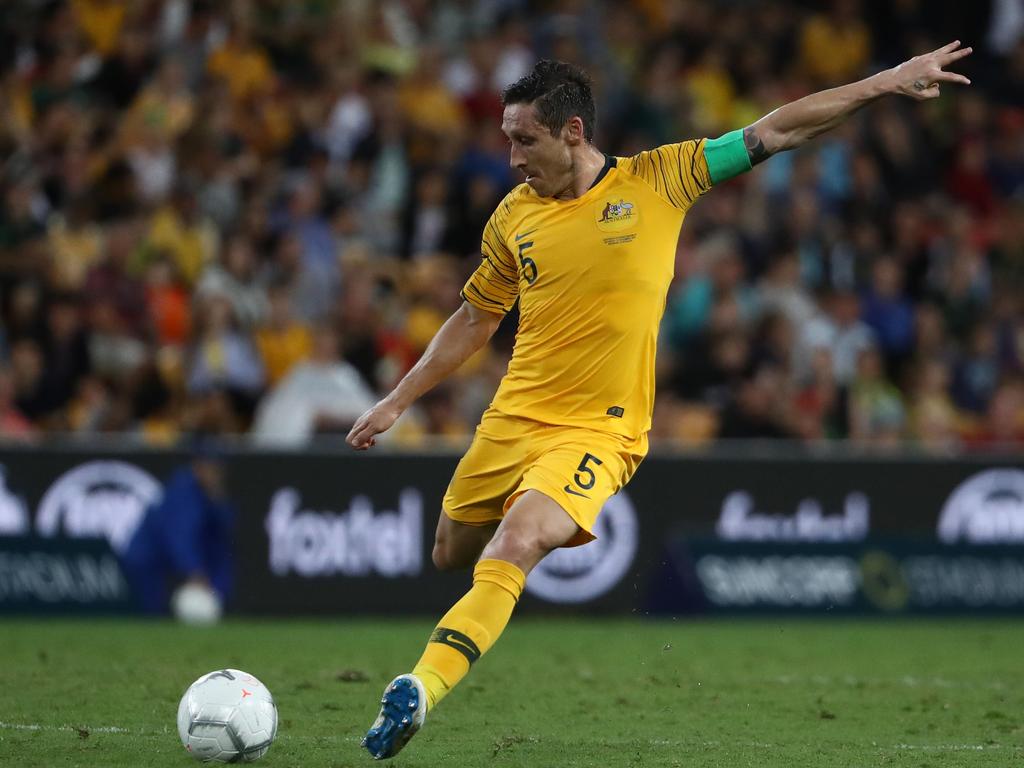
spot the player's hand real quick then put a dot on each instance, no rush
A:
(376, 420)
(920, 77)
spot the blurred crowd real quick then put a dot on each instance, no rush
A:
(251, 216)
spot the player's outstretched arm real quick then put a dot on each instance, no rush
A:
(800, 121)
(465, 332)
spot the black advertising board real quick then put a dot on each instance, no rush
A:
(334, 532)
(60, 576)
(821, 499)
(886, 576)
(328, 533)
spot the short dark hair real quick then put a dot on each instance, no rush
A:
(559, 91)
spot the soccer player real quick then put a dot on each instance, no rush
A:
(586, 246)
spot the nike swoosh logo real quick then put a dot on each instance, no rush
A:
(526, 234)
(453, 641)
(567, 489)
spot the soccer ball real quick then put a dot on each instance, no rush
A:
(227, 716)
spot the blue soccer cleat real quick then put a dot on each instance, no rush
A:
(403, 708)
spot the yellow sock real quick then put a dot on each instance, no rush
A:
(471, 627)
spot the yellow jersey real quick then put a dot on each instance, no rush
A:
(591, 275)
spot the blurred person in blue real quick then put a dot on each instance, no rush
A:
(186, 536)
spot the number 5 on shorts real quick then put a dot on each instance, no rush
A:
(584, 476)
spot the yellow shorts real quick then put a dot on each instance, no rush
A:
(578, 468)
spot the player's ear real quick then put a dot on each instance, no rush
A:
(573, 131)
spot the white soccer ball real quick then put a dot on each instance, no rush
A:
(196, 604)
(227, 716)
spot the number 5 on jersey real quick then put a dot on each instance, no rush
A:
(529, 265)
(584, 477)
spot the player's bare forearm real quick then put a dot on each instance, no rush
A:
(463, 334)
(800, 121)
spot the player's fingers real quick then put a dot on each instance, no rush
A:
(953, 77)
(366, 443)
(369, 434)
(949, 47)
(952, 56)
(359, 438)
(356, 429)
(362, 443)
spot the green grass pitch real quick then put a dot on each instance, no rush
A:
(552, 693)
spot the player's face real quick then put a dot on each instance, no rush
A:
(546, 160)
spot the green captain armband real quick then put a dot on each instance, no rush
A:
(726, 156)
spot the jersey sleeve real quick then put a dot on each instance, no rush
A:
(494, 286)
(677, 172)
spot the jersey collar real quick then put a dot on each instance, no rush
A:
(609, 163)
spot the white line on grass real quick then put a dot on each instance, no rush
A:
(37, 727)
(4, 726)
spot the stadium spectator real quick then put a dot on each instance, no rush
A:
(282, 340)
(877, 414)
(977, 373)
(932, 413)
(179, 229)
(840, 330)
(887, 310)
(761, 407)
(241, 62)
(323, 395)
(780, 290)
(720, 276)
(65, 352)
(167, 300)
(222, 357)
(817, 408)
(835, 45)
(236, 280)
(1002, 425)
(13, 423)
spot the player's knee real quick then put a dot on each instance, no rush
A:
(524, 548)
(446, 558)
(441, 557)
